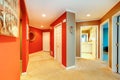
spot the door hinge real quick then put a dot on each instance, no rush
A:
(117, 44)
(117, 65)
(118, 23)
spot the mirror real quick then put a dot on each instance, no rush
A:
(84, 37)
(31, 36)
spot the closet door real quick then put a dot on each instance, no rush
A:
(116, 44)
(118, 39)
(58, 43)
(46, 41)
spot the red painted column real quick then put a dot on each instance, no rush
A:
(25, 43)
(58, 21)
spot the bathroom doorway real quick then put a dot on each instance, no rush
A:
(88, 44)
(104, 55)
(105, 42)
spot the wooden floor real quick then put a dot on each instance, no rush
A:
(43, 67)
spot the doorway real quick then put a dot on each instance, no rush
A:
(104, 52)
(58, 43)
(105, 42)
(116, 43)
(46, 41)
(88, 44)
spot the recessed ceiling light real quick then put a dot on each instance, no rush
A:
(88, 15)
(43, 15)
(42, 26)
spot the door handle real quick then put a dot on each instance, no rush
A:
(118, 23)
(117, 44)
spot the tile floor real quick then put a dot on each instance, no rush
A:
(43, 67)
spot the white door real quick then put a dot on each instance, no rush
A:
(116, 43)
(58, 43)
(118, 38)
(46, 41)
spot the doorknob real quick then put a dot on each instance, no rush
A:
(118, 23)
(117, 44)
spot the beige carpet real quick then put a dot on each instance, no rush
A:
(43, 67)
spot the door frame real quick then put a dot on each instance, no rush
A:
(58, 25)
(101, 39)
(114, 60)
(96, 41)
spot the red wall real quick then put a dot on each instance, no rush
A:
(59, 20)
(25, 42)
(36, 45)
(46, 30)
(64, 44)
(52, 42)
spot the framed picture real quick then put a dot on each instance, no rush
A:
(9, 18)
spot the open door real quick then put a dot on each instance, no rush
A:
(58, 43)
(104, 51)
(105, 42)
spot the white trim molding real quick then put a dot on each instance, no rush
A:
(70, 67)
(24, 73)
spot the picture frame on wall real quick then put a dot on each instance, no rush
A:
(9, 18)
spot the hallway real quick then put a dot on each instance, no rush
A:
(43, 67)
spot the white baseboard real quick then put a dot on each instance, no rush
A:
(67, 68)
(70, 67)
(63, 66)
(24, 73)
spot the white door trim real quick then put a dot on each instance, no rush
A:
(114, 61)
(101, 40)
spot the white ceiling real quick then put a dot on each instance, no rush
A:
(54, 8)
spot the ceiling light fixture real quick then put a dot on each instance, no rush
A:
(43, 15)
(42, 26)
(88, 15)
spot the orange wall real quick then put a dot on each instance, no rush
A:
(59, 20)
(109, 15)
(36, 45)
(9, 58)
